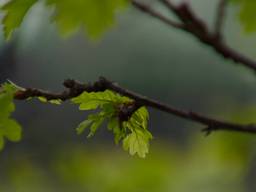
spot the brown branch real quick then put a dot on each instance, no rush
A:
(198, 28)
(154, 13)
(75, 88)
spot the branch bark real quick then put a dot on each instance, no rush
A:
(191, 24)
(75, 88)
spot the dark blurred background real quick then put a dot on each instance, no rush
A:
(146, 56)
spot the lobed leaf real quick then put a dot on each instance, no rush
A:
(137, 142)
(94, 100)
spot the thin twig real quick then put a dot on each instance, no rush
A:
(145, 8)
(198, 28)
(75, 88)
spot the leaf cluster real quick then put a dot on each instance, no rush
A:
(133, 132)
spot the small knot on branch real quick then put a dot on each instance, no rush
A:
(69, 83)
(125, 111)
(75, 87)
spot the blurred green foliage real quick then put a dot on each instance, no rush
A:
(15, 13)
(219, 162)
(247, 14)
(210, 164)
(94, 16)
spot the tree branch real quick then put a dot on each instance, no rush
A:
(154, 13)
(198, 28)
(75, 88)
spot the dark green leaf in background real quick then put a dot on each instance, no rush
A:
(94, 16)
(247, 14)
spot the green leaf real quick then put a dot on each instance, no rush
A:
(141, 117)
(15, 13)
(90, 105)
(94, 16)
(95, 125)
(82, 126)
(94, 121)
(56, 101)
(247, 14)
(137, 142)
(97, 120)
(114, 125)
(53, 101)
(9, 128)
(42, 99)
(93, 100)
(106, 100)
(7, 106)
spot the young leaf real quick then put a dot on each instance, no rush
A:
(9, 128)
(7, 106)
(95, 125)
(141, 117)
(93, 100)
(137, 142)
(54, 101)
(114, 125)
(82, 126)
(94, 121)
(97, 120)
(15, 13)
(42, 99)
